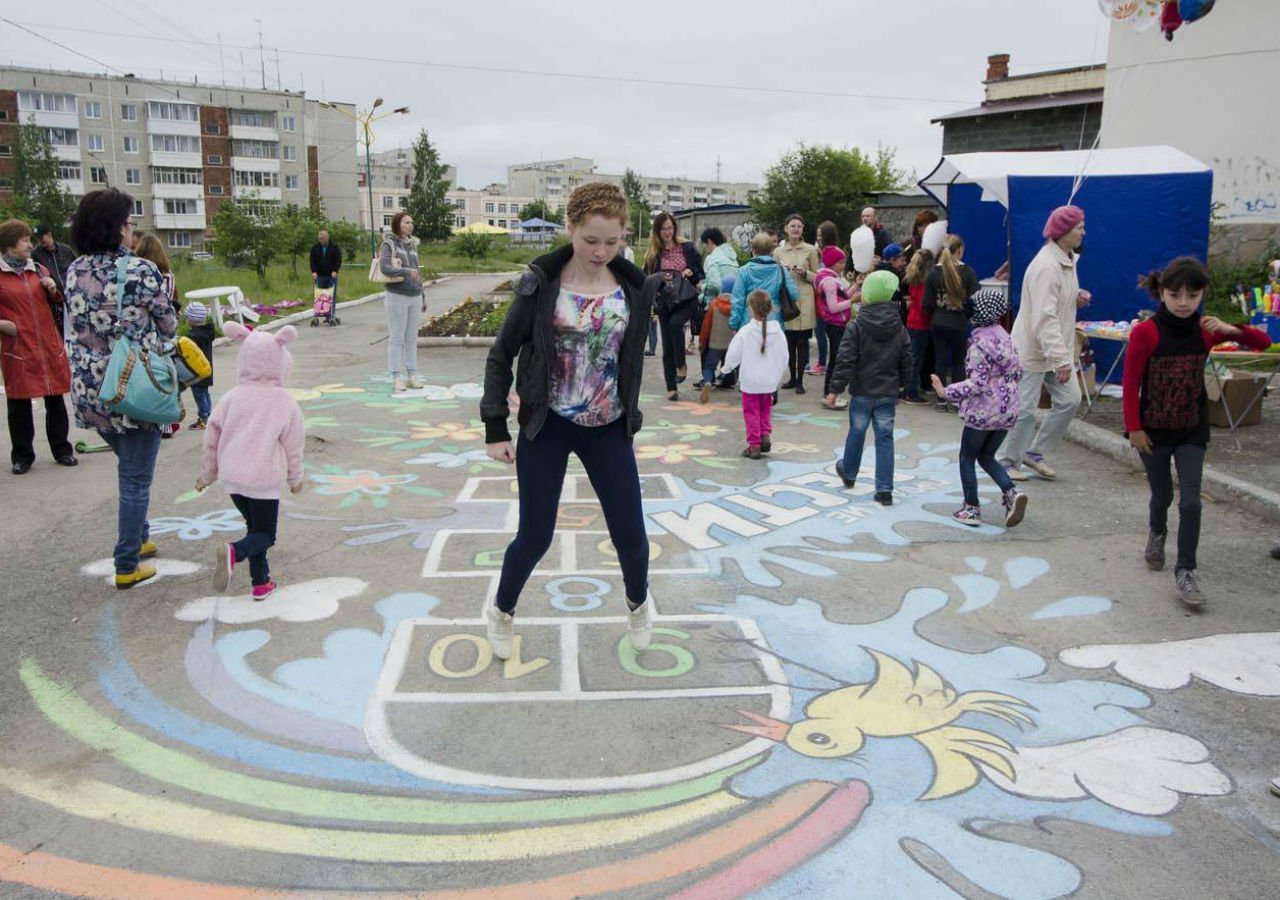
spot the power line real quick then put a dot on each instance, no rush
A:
(541, 73)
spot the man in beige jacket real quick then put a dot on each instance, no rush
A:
(1045, 337)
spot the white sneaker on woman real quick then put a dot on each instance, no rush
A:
(398, 387)
(640, 624)
(413, 383)
(500, 630)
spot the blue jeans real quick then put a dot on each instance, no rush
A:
(877, 411)
(919, 345)
(136, 451)
(980, 447)
(204, 404)
(709, 363)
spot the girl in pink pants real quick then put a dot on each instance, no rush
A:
(760, 349)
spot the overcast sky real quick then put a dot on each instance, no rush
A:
(439, 59)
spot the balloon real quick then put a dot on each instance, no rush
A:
(931, 240)
(1192, 10)
(1141, 14)
(862, 247)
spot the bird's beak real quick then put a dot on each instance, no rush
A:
(765, 727)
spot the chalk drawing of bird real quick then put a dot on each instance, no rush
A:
(902, 702)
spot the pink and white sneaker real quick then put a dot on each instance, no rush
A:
(263, 591)
(224, 563)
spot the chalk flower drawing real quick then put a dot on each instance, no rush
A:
(360, 483)
(302, 395)
(671, 454)
(197, 528)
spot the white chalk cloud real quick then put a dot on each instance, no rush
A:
(1240, 663)
(306, 601)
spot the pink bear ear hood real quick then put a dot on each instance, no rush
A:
(263, 357)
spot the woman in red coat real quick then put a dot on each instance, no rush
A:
(33, 361)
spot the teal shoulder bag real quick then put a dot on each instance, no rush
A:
(138, 383)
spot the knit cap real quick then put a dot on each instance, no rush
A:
(893, 251)
(879, 287)
(987, 307)
(196, 312)
(727, 283)
(832, 256)
(1062, 220)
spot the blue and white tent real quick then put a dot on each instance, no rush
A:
(1143, 206)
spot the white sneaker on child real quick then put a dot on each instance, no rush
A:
(500, 630)
(640, 624)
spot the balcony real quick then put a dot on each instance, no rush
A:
(47, 118)
(253, 192)
(177, 191)
(255, 164)
(68, 152)
(254, 133)
(183, 222)
(74, 187)
(172, 126)
(176, 160)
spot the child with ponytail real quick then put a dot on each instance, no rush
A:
(1166, 410)
(946, 289)
(760, 349)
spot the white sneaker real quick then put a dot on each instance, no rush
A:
(399, 386)
(413, 383)
(500, 629)
(1039, 466)
(1275, 786)
(640, 625)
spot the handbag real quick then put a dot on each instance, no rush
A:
(138, 383)
(375, 270)
(674, 293)
(790, 309)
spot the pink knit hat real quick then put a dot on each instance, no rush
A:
(832, 256)
(1062, 220)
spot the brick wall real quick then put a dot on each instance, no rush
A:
(1038, 129)
(1048, 83)
(313, 170)
(8, 135)
(219, 145)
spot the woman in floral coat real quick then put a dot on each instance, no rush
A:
(101, 230)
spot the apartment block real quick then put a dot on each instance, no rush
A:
(554, 180)
(182, 149)
(391, 172)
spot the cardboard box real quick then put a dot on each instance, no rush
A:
(1238, 390)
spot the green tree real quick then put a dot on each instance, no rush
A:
(471, 245)
(349, 237)
(38, 196)
(295, 230)
(246, 232)
(640, 210)
(824, 182)
(432, 214)
(538, 209)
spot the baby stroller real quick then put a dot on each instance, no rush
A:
(324, 307)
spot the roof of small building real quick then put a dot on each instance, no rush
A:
(1025, 104)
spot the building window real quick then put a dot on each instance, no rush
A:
(291, 182)
(404, 203)
(176, 176)
(133, 176)
(212, 129)
(6, 183)
(290, 152)
(179, 239)
(255, 149)
(502, 207)
(386, 221)
(257, 179)
(460, 221)
(97, 175)
(95, 142)
(288, 123)
(388, 202)
(515, 210)
(48, 102)
(488, 207)
(137, 207)
(6, 150)
(502, 223)
(129, 112)
(69, 171)
(215, 159)
(173, 112)
(182, 207)
(253, 119)
(173, 143)
(92, 109)
(215, 189)
(63, 137)
(131, 143)
(494, 224)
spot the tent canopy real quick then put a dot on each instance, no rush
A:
(1143, 207)
(540, 225)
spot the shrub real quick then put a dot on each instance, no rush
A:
(472, 246)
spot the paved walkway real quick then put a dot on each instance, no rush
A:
(1043, 717)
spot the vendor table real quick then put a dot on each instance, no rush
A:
(1236, 359)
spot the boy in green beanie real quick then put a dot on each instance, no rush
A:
(874, 362)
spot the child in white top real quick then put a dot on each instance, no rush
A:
(760, 349)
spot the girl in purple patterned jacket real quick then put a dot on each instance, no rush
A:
(988, 401)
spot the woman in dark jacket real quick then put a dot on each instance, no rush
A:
(949, 284)
(32, 359)
(680, 265)
(578, 326)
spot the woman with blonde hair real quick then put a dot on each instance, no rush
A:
(578, 326)
(680, 265)
(948, 285)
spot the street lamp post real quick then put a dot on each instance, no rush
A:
(365, 119)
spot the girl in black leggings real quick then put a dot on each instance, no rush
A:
(946, 288)
(578, 325)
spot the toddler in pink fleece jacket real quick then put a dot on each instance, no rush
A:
(253, 443)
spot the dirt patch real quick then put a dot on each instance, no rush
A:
(470, 318)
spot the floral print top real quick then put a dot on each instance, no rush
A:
(988, 398)
(147, 319)
(584, 369)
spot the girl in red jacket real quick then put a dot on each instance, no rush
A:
(1165, 408)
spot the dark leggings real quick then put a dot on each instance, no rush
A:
(672, 328)
(610, 462)
(798, 352)
(980, 447)
(829, 336)
(260, 516)
(22, 429)
(1190, 461)
(950, 345)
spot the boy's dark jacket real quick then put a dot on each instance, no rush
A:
(527, 334)
(202, 335)
(875, 353)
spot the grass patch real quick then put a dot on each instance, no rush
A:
(281, 285)
(441, 257)
(470, 318)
